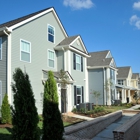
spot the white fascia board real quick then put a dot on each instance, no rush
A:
(36, 16)
(96, 67)
(107, 54)
(78, 37)
(79, 52)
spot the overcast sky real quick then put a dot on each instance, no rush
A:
(103, 24)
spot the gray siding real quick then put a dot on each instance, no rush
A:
(79, 78)
(60, 60)
(3, 66)
(78, 46)
(36, 33)
(96, 84)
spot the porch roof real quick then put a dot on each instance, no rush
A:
(126, 87)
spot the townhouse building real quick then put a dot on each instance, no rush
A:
(37, 43)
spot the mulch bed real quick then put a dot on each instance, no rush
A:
(6, 126)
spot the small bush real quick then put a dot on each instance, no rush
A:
(74, 110)
(83, 110)
(5, 111)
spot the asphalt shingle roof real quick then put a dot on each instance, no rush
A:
(67, 40)
(98, 59)
(18, 20)
(135, 75)
(123, 72)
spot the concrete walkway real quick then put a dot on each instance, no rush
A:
(133, 107)
(107, 134)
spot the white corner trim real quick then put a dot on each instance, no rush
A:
(9, 72)
(1, 48)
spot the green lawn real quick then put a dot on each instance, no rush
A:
(114, 108)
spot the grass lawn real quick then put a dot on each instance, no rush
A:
(5, 133)
(114, 108)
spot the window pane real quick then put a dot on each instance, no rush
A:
(78, 91)
(25, 46)
(78, 99)
(77, 66)
(51, 63)
(50, 37)
(77, 59)
(25, 56)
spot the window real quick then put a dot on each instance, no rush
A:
(77, 62)
(25, 50)
(112, 74)
(50, 33)
(0, 48)
(78, 95)
(51, 58)
(0, 93)
(120, 82)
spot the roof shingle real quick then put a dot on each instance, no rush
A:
(98, 59)
(123, 72)
(13, 22)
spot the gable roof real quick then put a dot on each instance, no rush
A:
(123, 72)
(135, 76)
(25, 19)
(68, 40)
(99, 59)
(15, 21)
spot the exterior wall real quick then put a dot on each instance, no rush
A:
(3, 67)
(36, 33)
(79, 78)
(60, 60)
(96, 83)
(77, 44)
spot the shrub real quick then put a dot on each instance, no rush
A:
(5, 111)
(74, 110)
(25, 117)
(52, 123)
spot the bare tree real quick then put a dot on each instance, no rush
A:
(96, 95)
(108, 85)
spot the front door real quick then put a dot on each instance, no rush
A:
(63, 100)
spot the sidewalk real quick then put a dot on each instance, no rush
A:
(107, 134)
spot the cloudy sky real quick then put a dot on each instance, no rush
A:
(103, 24)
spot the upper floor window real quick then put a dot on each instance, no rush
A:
(0, 48)
(78, 62)
(25, 51)
(51, 58)
(120, 82)
(112, 74)
(51, 33)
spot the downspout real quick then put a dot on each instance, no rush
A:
(103, 87)
(64, 59)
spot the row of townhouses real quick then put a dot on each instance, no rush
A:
(39, 42)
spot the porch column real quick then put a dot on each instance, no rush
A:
(122, 95)
(118, 95)
(129, 96)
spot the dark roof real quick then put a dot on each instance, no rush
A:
(67, 40)
(123, 72)
(135, 75)
(98, 59)
(13, 22)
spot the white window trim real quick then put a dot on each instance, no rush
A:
(1, 48)
(1, 91)
(78, 62)
(48, 33)
(81, 92)
(25, 51)
(51, 59)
